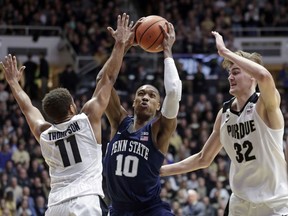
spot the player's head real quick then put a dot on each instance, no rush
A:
(58, 104)
(147, 101)
(240, 81)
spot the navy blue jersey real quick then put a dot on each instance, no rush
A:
(131, 166)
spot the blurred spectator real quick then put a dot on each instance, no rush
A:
(219, 195)
(10, 169)
(69, 79)
(202, 189)
(4, 95)
(24, 208)
(44, 70)
(283, 77)
(193, 206)
(4, 183)
(37, 188)
(192, 182)
(15, 189)
(199, 81)
(26, 196)
(21, 156)
(34, 169)
(5, 155)
(30, 75)
(10, 203)
(4, 210)
(23, 178)
(210, 209)
(40, 206)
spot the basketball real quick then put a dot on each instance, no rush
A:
(149, 35)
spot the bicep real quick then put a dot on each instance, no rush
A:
(162, 130)
(115, 112)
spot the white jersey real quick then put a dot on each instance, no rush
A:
(74, 158)
(258, 171)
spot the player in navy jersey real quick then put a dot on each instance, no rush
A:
(71, 144)
(250, 127)
(139, 143)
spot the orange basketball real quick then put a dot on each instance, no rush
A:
(149, 35)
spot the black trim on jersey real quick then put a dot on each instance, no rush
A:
(253, 99)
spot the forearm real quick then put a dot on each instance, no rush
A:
(112, 66)
(173, 89)
(254, 69)
(189, 164)
(20, 96)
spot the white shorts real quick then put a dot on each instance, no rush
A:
(80, 206)
(240, 207)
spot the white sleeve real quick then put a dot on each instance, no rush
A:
(173, 89)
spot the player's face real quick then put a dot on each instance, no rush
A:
(147, 101)
(240, 82)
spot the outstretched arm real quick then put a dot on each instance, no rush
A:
(164, 127)
(199, 160)
(95, 107)
(114, 111)
(269, 104)
(33, 116)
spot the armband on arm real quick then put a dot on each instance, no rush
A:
(173, 89)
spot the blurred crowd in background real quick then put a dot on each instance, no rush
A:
(24, 176)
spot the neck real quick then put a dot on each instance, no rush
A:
(59, 121)
(139, 123)
(241, 100)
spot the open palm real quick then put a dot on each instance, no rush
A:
(10, 69)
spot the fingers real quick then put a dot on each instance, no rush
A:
(3, 66)
(138, 23)
(9, 63)
(123, 20)
(22, 69)
(111, 30)
(14, 61)
(170, 29)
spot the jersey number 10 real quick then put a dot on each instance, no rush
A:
(127, 167)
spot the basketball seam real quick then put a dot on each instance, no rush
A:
(147, 30)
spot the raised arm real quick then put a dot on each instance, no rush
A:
(33, 116)
(269, 104)
(164, 127)
(96, 106)
(114, 111)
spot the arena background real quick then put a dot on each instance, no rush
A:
(72, 37)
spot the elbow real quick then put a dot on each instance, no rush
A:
(264, 76)
(99, 77)
(174, 90)
(203, 160)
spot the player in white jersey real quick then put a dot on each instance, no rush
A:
(250, 127)
(71, 143)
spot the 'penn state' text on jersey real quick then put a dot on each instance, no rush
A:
(74, 158)
(131, 166)
(258, 172)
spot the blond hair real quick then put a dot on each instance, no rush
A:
(255, 57)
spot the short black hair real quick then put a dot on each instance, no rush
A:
(56, 103)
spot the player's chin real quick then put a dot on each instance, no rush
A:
(232, 91)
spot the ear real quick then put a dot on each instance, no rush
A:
(133, 105)
(71, 109)
(158, 106)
